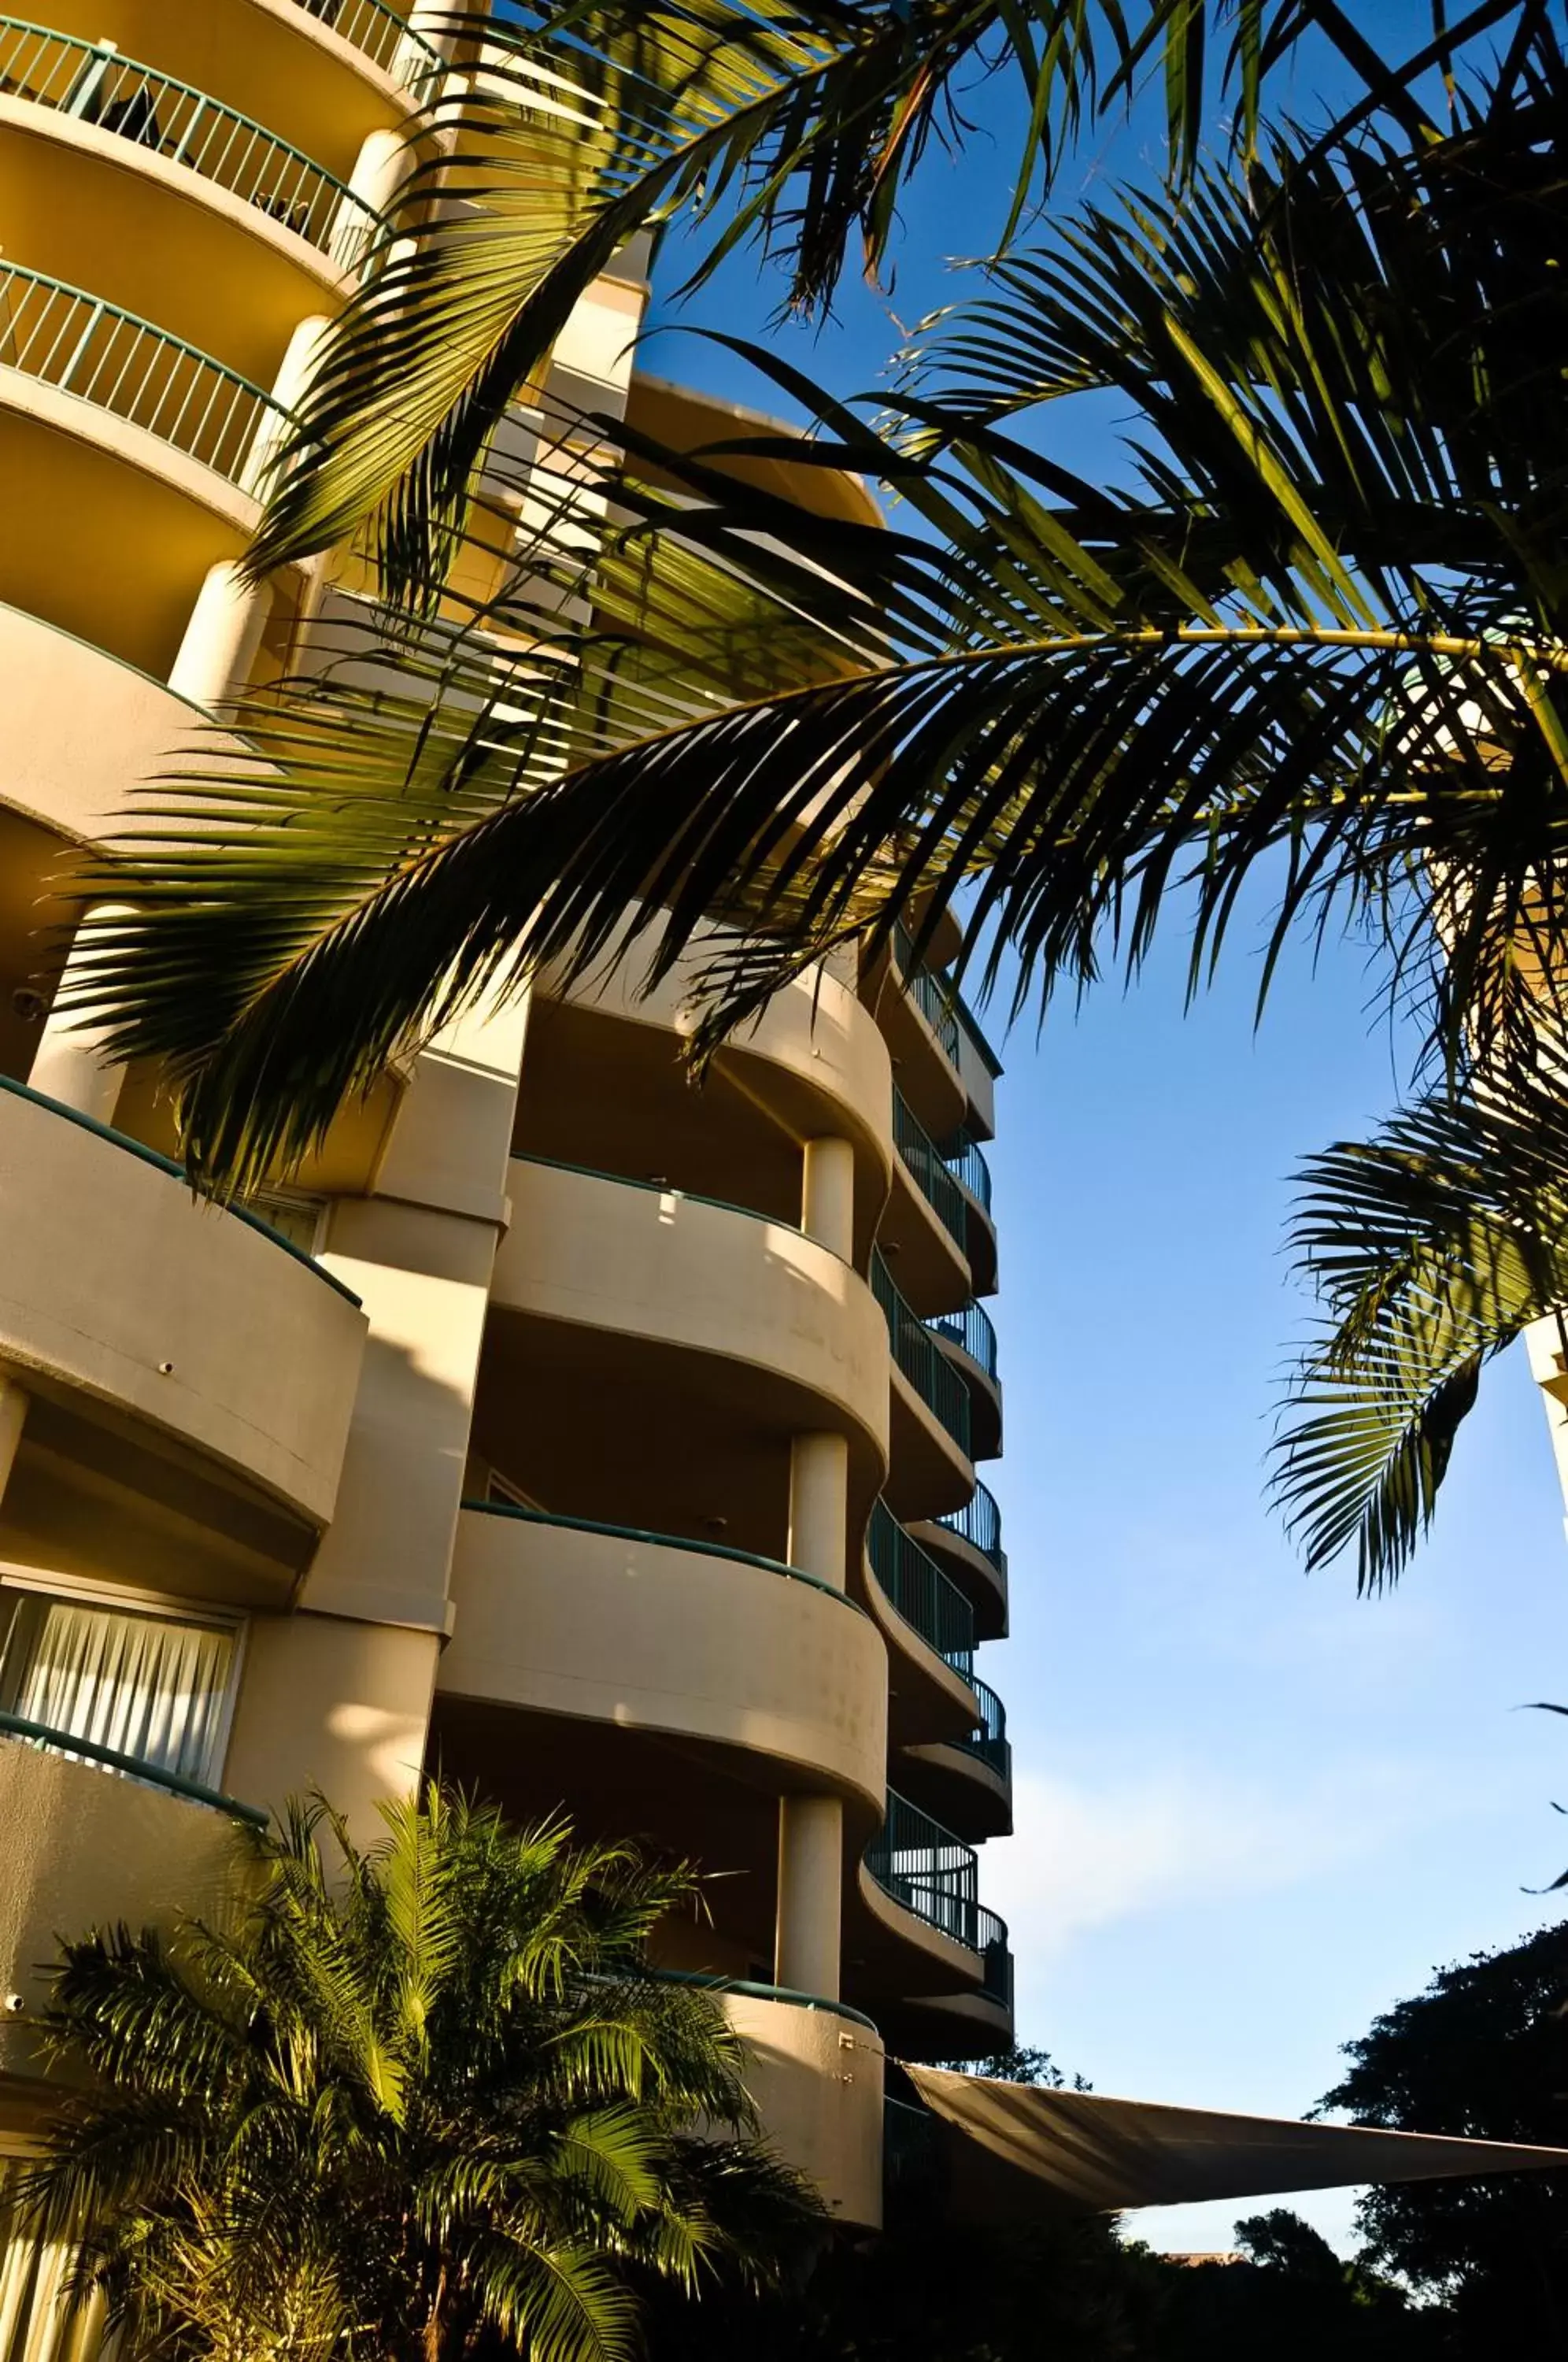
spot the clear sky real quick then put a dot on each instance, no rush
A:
(1251, 1810)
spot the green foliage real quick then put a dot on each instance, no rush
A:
(1480, 2053)
(1292, 642)
(401, 2100)
(791, 126)
(1430, 1248)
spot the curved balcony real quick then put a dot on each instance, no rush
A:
(79, 726)
(816, 2073)
(85, 1849)
(932, 1461)
(967, 1163)
(925, 1224)
(126, 453)
(967, 1542)
(966, 1782)
(650, 1356)
(120, 109)
(927, 1935)
(814, 1063)
(74, 343)
(320, 73)
(129, 1302)
(922, 1034)
(750, 1665)
(968, 1335)
(929, 1625)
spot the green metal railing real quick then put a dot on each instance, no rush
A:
(932, 1177)
(973, 1329)
(662, 1542)
(129, 1767)
(748, 1990)
(972, 1027)
(94, 83)
(933, 1873)
(920, 1358)
(966, 1165)
(90, 348)
(381, 32)
(979, 1524)
(924, 1866)
(988, 1739)
(924, 1597)
(996, 1958)
(929, 996)
(911, 2147)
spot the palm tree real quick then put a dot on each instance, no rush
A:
(792, 125)
(1432, 1247)
(406, 2099)
(1317, 632)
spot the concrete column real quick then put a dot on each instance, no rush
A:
(13, 1415)
(295, 373)
(811, 1891)
(69, 1062)
(827, 1195)
(222, 638)
(377, 176)
(819, 1506)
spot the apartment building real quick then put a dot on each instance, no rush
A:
(593, 1440)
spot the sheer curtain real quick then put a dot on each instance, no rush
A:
(37, 2324)
(154, 1689)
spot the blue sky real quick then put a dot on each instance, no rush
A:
(1252, 1809)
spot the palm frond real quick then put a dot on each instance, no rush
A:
(1433, 1247)
(794, 125)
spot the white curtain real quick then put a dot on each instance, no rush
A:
(36, 2324)
(154, 1689)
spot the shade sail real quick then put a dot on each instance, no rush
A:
(1012, 2149)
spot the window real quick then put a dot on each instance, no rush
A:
(150, 1686)
(294, 1215)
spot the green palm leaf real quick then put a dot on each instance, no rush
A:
(1433, 1247)
(796, 126)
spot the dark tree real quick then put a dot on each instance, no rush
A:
(1483, 2052)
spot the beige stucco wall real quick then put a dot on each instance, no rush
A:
(335, 1704)
(653, 1264)
(830, 1065)
(652, 1636)
(112, 1270)
(82, 1848)
(80, 727)
(817, 2081)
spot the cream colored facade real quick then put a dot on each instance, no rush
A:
(591, 1441)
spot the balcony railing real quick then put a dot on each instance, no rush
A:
(921, 1359)
(979, 1524)
(973, 1329)
(118, 362)
(129, 1767)
(94, 83)
(966, 1165)
(924, 1597)
(929, 1871)
(995, 1980)
(380, 33)
(988, 1739)
(929, 996)
(931, 1174)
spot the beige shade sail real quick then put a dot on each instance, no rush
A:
(1011, 2148)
